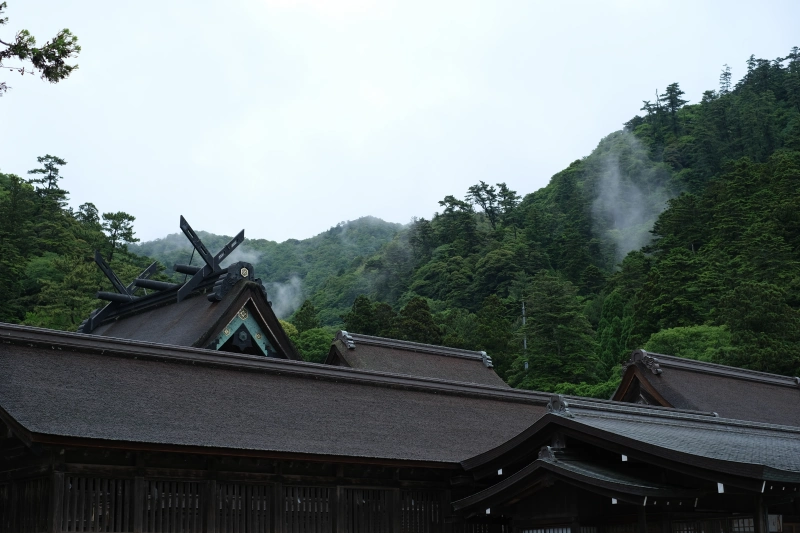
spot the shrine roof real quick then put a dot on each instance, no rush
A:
(71, 387)
(731, 392)
(413, 359)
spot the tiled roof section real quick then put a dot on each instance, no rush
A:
(59, 385)
(732, 392)
(737, 447)
(412, 359)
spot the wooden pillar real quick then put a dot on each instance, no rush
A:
(138, 504)
(643, 519)
(396, 510)
(278, 506)
(447, 512)
(760, 521)
(211, 506)
(666, 523)
(56, 501)
(336, 509)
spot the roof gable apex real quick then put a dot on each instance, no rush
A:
(251, 310)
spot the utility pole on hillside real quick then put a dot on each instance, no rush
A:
(524, 336)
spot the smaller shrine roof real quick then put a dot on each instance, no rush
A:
(412, 359)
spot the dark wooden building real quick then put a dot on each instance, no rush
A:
(186, 410)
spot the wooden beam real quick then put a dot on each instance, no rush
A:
(79, 442)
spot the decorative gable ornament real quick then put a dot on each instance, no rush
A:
(650, 362)
(559, 406)
(244, 332)
(347, 339)
(547, 453)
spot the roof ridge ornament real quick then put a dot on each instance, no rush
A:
(347, 339)
(559, 406)
(548, 453)
(650, 362)
(487, 361)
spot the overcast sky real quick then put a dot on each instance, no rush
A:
(285, 117)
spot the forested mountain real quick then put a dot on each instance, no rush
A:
(294, 268)
(679, 233)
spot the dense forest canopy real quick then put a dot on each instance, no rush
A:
(679, 233)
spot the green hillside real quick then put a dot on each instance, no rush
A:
(293, 269)
(679, 233)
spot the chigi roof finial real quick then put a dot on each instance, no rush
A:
(125, 298)
(212, 261)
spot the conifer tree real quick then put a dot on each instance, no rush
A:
(415, 323)
(47, 187)
(672, 103)
(306, 317)
(361, 317)
(561, 342)
(725, 81)
(118, 227)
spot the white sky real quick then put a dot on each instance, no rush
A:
(285, 117)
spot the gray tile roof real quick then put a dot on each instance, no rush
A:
(716, 439)
(742, 448)
(622, 484)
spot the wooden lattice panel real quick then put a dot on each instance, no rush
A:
(420, 511)
(365, 511)
(243, 508)
(173, 506)
(307, 510)
(97, 504)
